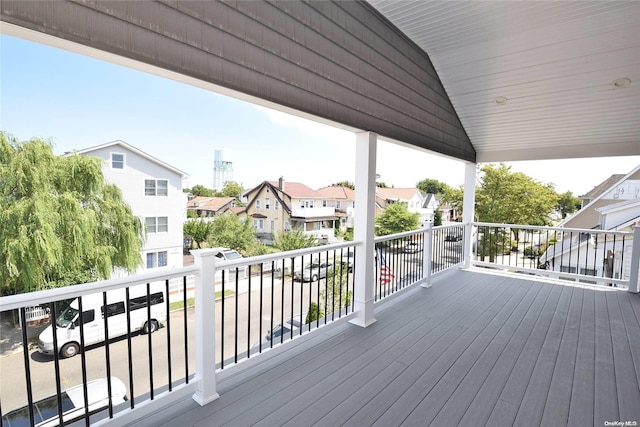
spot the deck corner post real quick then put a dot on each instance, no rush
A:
(634, 276)
(205, 317)
(364, 227)
(428, 254)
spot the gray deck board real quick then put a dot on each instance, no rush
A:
(582, 392)
(475, 349)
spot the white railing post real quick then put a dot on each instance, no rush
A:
(634, 279)
(364, 230)
(468, 210)
(205, 318)
(428, 254)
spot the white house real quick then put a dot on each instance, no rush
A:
(616, 208)
(412, 198)
(153, 189)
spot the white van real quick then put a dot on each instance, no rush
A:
(45, 411)
(68, 322)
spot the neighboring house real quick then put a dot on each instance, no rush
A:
(412, 198)
(343, 199)
(208, 207)
(153, 189)
(431, 205)
(620, 188)
(616, 208)
(276, 206)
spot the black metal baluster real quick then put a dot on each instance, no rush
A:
(168, 311)
(27, 365)
(56, 358)
(129, 348)
(149, 342)
(249, 311)
(186, 329)
(107, 355)
(83, 364)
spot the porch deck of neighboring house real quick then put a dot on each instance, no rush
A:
(475, 349)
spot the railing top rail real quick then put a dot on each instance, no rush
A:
(559, 229)
(379, 239)
(278, 256)
(11, 302)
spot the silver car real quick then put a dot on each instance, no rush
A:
(312, 272)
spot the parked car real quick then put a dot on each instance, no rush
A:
(45, 411)
(312, 272)
(411, 248)
(227, 254)
(281, 330)
(453, 236)
(347, 260)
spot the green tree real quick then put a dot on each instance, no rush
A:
(313, 313)
(198, 229)
(507, 197)
(381, 184)
(232, 232)
(199, 190)
(437, 218)
(292, 240)
(336, 295)
(60, 223)
(396, 219)
(568, 203)
(432, 186)
(513, 197)
(233, 189)
(347, 184)
(453, 197)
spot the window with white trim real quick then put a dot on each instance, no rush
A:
(258, 224)
(276, 205)
(158, 224)
(337, 204)
(257, 203)
(273, 225)
(156, 259)
(117, 161)
(156, 187)
(266, 203)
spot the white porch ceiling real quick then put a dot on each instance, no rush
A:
(555, 62)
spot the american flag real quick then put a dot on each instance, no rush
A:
(386, 275)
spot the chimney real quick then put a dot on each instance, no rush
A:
(281, 184)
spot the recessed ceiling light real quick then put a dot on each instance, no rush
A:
(500, 100)
(622, 82)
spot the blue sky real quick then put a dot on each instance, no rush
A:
(78, 102)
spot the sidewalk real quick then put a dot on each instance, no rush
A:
(11, 336)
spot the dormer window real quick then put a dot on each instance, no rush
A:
(117, 161)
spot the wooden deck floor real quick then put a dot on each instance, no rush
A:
(475, 349)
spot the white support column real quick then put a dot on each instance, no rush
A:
(205, 317)
(364, 227)
(634, 277)
(468, 209)
(428, 254)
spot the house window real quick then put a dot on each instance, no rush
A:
(317, 225)
(258, 224)
(287, 226)
(337, 204)
(273, 225)
(276, 205)
(156, 187)
(266, 203)
(117, 161)
(156, 259)
(324, 203)
(257, 203)
(157, 224)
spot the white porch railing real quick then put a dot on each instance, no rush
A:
(237, 319)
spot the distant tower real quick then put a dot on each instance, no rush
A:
(222, 169)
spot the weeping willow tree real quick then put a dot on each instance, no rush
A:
(60, 223)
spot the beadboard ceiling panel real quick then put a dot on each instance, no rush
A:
(553, 64)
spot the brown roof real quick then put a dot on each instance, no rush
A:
(338, 192)
(298, 190)
(396, 193)
(603, 186)
(209, 203)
